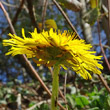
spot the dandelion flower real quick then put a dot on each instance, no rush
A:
(50, 47)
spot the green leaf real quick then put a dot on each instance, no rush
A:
(44, 107)
(95, 108)
(31, 104)
(70, 100)
(108, 101)
(11, 97)
(81, 101)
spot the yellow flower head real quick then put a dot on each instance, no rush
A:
(52, 47)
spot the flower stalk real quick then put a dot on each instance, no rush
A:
(55, 86)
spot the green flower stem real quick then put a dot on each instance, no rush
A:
(55, 86)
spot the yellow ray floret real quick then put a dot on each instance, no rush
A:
(50, 47)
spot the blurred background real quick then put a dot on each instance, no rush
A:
(19, 88)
